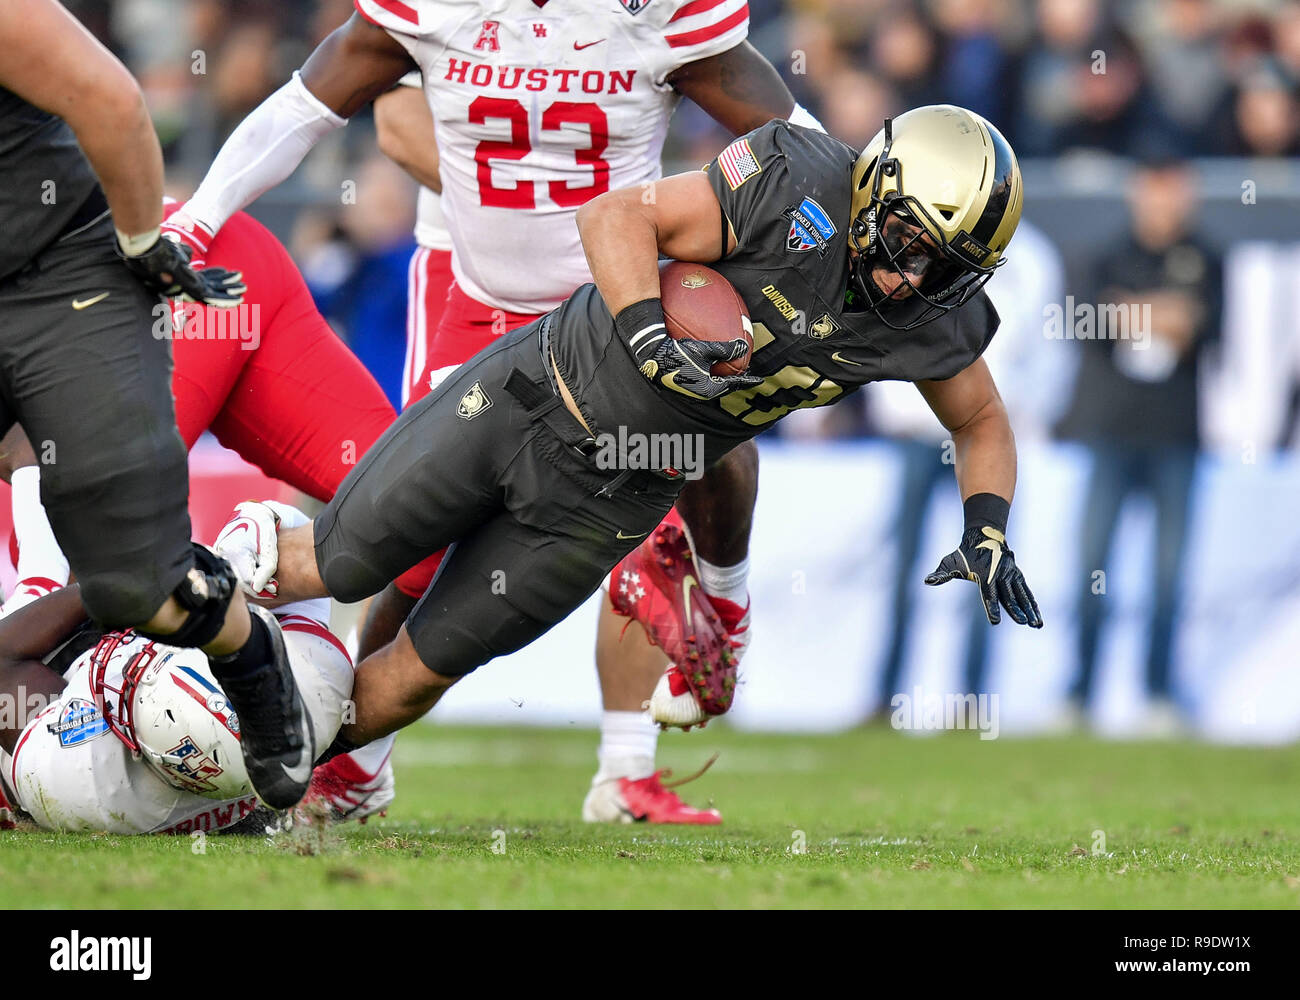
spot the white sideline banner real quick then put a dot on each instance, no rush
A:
(823, 564)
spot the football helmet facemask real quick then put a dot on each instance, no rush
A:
(937, 196)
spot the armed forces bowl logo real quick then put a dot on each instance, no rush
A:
(79, 722)
(634, 6)
(474, 402)
(810, 228)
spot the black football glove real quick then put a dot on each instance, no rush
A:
(984, 559)
(165, 268)
(681, 365)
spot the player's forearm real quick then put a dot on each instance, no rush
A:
(404, 128)
(50, 60)
(986, 455)
(622, 247)
(31, 633)
(122, 147)
(739, 88)
(265, 149)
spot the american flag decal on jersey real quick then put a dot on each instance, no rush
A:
(738, 163)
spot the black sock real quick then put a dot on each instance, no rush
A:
(339, 747)
(248, 659)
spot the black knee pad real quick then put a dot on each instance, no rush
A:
(205, 593)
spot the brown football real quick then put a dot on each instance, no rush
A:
(701, 304)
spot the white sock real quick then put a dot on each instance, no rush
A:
(627, 745)
(370, 758)
(38, 551)
(729, 582)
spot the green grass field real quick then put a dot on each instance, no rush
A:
(887, 821)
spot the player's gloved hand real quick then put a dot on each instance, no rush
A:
(682, 365)
(250, 544)
(984, 559)
(164, 266)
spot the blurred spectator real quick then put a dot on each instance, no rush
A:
(1183, 51)
(1080, 83)
(357, 269)
(977, 58)
(903, 52)
(856, 106)
(1266, 114)
(1135, 407)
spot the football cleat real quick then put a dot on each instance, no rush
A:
(27, 591)
(347, 792)
(276, 735)
(645, 800)
(674, 704)
(657, 585)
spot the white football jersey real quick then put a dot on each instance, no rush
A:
(539, 107)
(70, 772)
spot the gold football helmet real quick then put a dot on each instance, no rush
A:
(936, 198)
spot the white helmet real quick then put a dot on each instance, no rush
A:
(170, 711)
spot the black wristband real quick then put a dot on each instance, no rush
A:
(986, 510)
(641, 325)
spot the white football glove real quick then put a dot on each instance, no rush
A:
(249, 543)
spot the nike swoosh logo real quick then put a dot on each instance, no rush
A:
(300, 773)
(688, 584)
(836, 356)
(994, 545)
(579, 48)
(627, 538)
(80, 304)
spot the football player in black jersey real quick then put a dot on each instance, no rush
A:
(87, 372)
(854, 267)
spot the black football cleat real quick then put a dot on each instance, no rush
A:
(275, 731)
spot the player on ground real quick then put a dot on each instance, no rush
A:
(537, 108)
(81, 197)
(884, 251)
(127, 735)
(274, 384)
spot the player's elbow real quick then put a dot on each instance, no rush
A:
(119, 104)
(600, 209)
(392, 143)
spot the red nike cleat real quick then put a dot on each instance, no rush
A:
(657, 585)
(643, 800)
(347, 792)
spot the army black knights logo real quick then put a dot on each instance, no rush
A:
(474, 402)
(823, 327)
